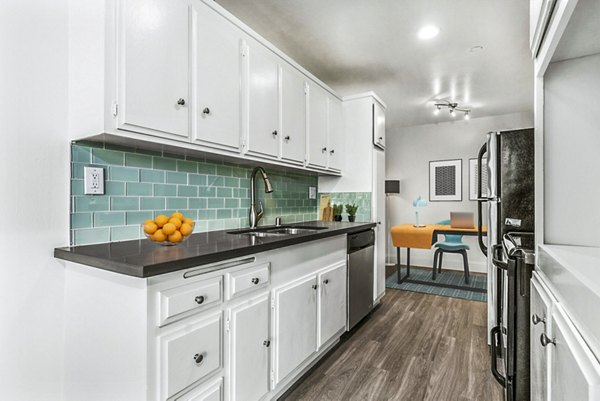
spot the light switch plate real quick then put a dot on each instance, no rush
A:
(93, 180)
(312, 192)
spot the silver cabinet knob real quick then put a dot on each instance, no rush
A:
(274, 133)
(332, 151)
(380, 138)
(287, 138)
(535, 319)
(198, 358)
(199, 299)
(181, 101)
(314, 286)
(267, 343)
(255, 280)
(206, 111)
(323, 150)
(545, 340)
(326, 281)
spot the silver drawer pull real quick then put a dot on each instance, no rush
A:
(255, 280)
(199, 299)
(535, 319)
(198, 358)
(545, 340)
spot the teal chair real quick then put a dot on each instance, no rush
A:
(450, 244)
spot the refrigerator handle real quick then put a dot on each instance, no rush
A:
(480, 200)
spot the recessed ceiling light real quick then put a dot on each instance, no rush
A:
(428, 32)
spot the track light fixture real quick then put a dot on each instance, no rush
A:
(452, 108)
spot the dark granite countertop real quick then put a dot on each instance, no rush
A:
(142, 258)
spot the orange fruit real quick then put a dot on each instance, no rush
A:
(178, 215)
(175, 237)
(161, 220)
(176, 221)
(149, 221)
(185, 229)
(188, 221)
(150, 227)
(159, 236)
(169, 228)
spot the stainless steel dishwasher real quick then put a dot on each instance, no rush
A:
(360, 275)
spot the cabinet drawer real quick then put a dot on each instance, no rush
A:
(184, 300)
(247, 280)
(211, 392)
(190, 355)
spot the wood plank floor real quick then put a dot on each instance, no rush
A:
(413, 347)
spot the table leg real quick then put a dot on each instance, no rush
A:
(407, 262)
(401, 279)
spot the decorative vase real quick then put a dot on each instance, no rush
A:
(337, 217)
(351, 219)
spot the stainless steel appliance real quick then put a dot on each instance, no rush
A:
(361, 248)
(509, 199)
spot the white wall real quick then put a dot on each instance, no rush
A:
(34, 172)
(408, 154)
(50, 91)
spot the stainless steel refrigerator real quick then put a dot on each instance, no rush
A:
(508, 201)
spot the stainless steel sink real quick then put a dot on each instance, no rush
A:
(278, 231)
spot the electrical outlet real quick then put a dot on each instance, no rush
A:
(93, 180)
(312, 192)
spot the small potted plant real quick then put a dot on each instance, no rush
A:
(337, 212)
(351, 210)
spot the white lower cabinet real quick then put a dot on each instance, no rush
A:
(249, 345)
(294, 325)
(332, 302)
(563, 368)
(243, 329)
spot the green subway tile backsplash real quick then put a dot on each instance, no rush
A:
(142, 184)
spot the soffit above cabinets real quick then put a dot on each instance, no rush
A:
(359, 46)
(582, 35)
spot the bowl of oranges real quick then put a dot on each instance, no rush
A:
(166, 230)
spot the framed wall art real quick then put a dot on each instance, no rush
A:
(445, 180)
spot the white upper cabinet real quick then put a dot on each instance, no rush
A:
(539, 16)
(317, 126)
(216, 57)
(154, 67)
(262, 107)
(335, 134)
(293, 115)
(378, 125)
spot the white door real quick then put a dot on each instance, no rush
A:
(332, 303)
(378, 125)
(378, 196)
(317, 126)
(574, 371)
(295, 325)
(154, 67)
(293, 115)
(263, 100)
(540, 305)
(335, 147)
(249, 345)
(217, 59)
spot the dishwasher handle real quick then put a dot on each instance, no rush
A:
(360, 240)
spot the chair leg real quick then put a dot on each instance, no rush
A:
(435, 261)
(440, 262)
(466, 265)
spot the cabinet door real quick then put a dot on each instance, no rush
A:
(335, 146)
(263, 100)
(249, 356)
(293, 115)
(378, 200)
(154, 67)
(332, 303)
(295, 326)
(378, 125)
(574, 371)
(317, 126)
(540, 305)
(217, 60)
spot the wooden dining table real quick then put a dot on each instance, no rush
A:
(408, 236)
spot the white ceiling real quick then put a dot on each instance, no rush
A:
(360, 45)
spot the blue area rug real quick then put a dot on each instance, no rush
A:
(471, 291)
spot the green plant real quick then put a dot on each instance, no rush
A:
(351, 209)
(337, 210)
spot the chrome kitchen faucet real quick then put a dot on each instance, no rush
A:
(256, 215)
